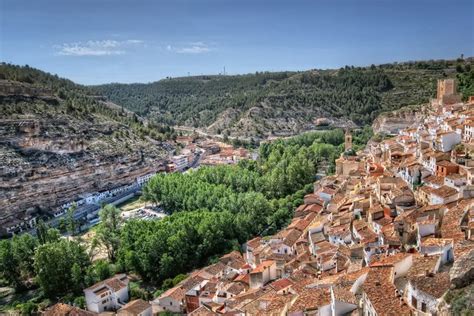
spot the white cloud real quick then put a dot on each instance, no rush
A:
(190, 48)
(96, 48)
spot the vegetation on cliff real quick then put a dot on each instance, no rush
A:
(260, 104)
(70, 100)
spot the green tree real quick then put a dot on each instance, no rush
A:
(9, 265)
(60, 267)
(71, 223)
(108, 231)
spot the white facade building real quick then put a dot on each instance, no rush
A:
(107, 295)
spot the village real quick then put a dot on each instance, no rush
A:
(388, 234)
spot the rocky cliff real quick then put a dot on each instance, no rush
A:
(53, 150)
(393, 122)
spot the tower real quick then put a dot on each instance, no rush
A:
(347, 140)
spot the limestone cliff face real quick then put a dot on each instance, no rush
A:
(50, 157)
(393, 122)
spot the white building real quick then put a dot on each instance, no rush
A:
(425, 292)
(263, 273)
(443, 195)
(468, 132)
(447, 140)
(180, 161)
(107, 295)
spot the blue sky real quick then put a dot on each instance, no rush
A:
(99, 41)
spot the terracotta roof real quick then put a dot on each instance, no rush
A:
(177, 293)
(202, 311)
(343, 295)
(114, 283)
(281, 284)
(422, 264)
(134, 307)
(244, 278)
(434, 180)
(444, 191)
(388, 260)
(438, 242)
(433, 284)
(310, 299)
(446, 163)
(262, 266)
(254, 243)
(292, 237)
(381, 293)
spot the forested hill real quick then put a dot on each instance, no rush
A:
(263, 104)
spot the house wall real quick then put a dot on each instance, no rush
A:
(343, 308)
(325, 310)
(401, 268)
(256, 280)
(426, 229)
(421, 297)
(368, 309)
(169, 304)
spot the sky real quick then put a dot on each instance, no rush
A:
(102, 41)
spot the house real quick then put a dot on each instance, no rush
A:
(263, 273)
(436, 246)
(468, 131)
(443, 195)
(445, 141)
(312, 301)
(173, 300)
(250, 247)
(380, 296)
(425, 292)
(180, 162)
(446, 167)
(455, 181)
(107, 295)
(137, 307)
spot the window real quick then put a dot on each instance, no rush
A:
(414, 302)
(171, 303)
(423, 307)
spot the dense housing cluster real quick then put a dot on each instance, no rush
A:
(387, 234)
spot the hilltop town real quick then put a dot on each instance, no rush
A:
(390, 233)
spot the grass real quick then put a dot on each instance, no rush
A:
(131, 204)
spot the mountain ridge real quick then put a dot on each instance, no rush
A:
(266, 104)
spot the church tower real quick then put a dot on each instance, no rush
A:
(347, 140)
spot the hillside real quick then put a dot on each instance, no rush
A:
(57, 142)
(264, 104)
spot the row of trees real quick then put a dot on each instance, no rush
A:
(59, 266)
(214, 210)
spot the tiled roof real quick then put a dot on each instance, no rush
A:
(381, 293)
(281, 284)
(134, 307)
(262, 266)
(444, 191)
(433, 284)
(114, 283)
(310, 299)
